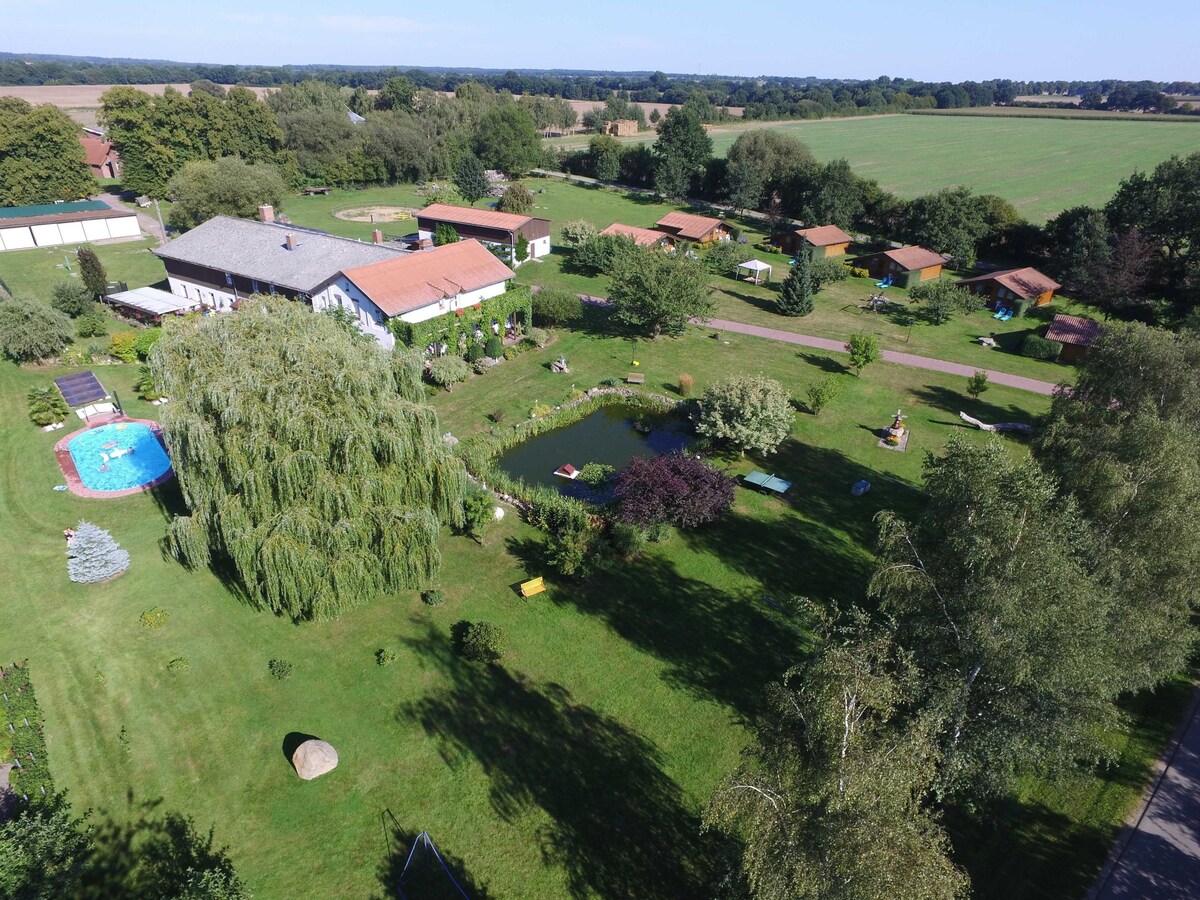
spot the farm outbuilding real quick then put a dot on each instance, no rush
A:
(906, 265)
(55, 224)
(1075, 333)
(643, 237)
(823, 240)
(621, 127)
(488, 226)
(1013, 285)
(102, 157)
(697, 229)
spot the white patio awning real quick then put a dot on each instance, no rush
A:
(152, 300)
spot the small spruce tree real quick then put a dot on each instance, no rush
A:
(444, 234)
(93, 555)
(796, 296)
(91, 270)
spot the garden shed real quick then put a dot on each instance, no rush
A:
(1075, 333)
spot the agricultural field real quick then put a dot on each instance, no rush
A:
(1041, 165)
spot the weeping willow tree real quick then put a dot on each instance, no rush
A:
(307, 459)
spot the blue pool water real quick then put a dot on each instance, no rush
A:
(122, 470)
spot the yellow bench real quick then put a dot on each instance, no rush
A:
(533, 586)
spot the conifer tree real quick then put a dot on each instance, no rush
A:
(796, 296)
(310, 462)
(93, 555)
(91, 270)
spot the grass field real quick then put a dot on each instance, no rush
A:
(580, 767)
(1042, 166)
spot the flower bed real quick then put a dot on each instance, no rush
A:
(21, 721)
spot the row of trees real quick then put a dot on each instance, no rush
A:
(762, 96)
(1002, 626)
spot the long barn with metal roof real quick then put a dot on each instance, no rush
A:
(56, 224)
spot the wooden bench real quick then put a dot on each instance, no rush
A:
(533, 586)
(310, 191)
(635, 378)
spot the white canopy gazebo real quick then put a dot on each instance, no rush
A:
(754, 269)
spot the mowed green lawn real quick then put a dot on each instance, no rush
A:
(1042, 166)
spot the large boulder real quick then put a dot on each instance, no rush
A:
(314, 758)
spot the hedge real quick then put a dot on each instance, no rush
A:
(1038, 347)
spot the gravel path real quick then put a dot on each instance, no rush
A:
(892, 356)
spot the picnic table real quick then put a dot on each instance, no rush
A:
(310, 191)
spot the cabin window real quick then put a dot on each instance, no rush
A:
(228, 279)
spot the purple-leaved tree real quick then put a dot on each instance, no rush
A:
(676, 490)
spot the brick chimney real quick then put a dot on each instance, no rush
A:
(291, 242)
(266, 213)
(377, 236)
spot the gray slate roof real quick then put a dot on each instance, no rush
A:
(259, 250)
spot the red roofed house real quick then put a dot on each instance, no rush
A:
(1013, 285)
(697, 229)
(907, 265)
(415, 287)
(488, 226)
(104, 161)
(643, 237)
(824, 240)
(1075, 333)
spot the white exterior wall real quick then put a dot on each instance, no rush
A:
(346, 294)
(212, 298)
(16, 239)
(539, 247)
(450, 304)
(54, 234)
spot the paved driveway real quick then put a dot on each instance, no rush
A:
(1157, 857)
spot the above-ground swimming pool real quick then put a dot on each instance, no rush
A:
(120, 456)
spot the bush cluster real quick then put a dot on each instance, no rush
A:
(154, 618)
(479, 641)
(1038, 347)
(385, 656)
(26, 744)
(280, 668)
(433, 597)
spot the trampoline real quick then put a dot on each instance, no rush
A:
(81, 388)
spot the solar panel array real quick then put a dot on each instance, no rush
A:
(81, 389)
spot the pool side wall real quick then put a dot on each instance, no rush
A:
(75, 484)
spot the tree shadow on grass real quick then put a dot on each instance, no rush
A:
(619, 827)
(825, 363)
(953, 402)
(427, 876)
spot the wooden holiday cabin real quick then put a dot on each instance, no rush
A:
(821, 241)
(1011, 286)
(1075, 333)
(906, 265)
(697, 229)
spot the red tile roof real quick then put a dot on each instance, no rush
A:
(912, 258)
(686, 226)
(824, 235)
(643, 237)
(1025, 283)
(97, 150)
(414, 280)
(1074, 330)
(482, 218)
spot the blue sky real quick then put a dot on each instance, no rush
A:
(925, 39)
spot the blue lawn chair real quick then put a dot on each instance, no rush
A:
(1008, 314)
(999, 312)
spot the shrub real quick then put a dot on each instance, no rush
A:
(576, 232)
(858, 272)
(444, 234)
(512, 351)
(977, 384)
(280, 668)
(496, 416)
(146, 387)
(821, 393)
(479, 641)
(178, 664)
(863, 349)
(71, 298)
(603, 253)
(481, 365)
(627, 541)
(93, 555)
(540, 409)
(477, 512)
(828, 271)
(385, 656)
(154, 618)
(724, 257)
(433, 597)
(557, 306)
(447, 371)
(747, 411)
(474, 352)
(30, 330)
(676, 489)
(686, 384)
(517, 199)
(539, 336)
(145, 342)
(494, 348)
(1038, 347)
(943, 299)
(768, 248)
(123, 346)
(46, 405)
(93, 323)
(595, 474)
(610, 382)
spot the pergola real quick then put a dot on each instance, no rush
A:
(754, 268)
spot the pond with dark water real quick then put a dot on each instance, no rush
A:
(608, 436)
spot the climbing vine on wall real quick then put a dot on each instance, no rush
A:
(516, 300)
